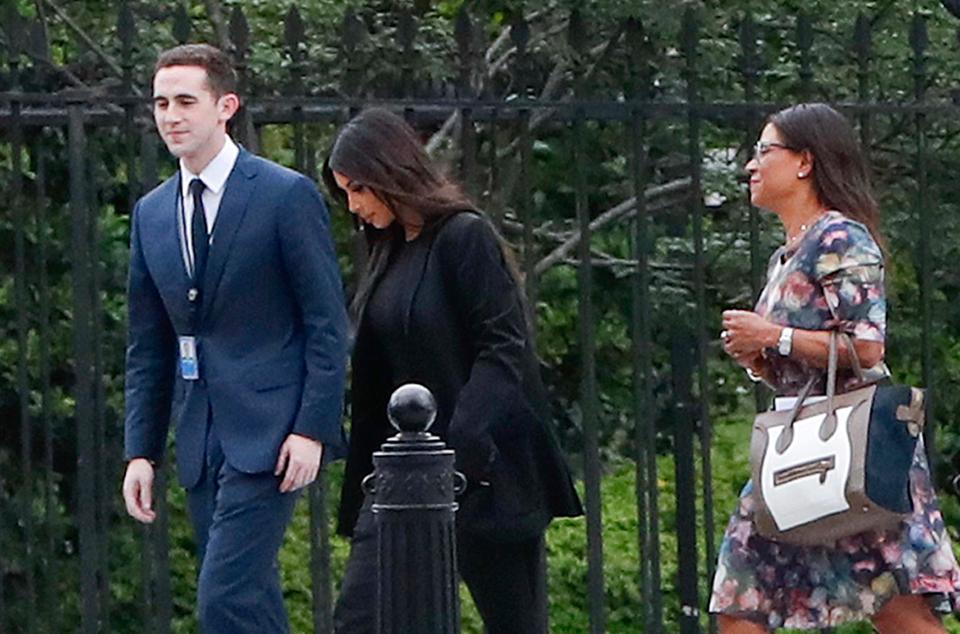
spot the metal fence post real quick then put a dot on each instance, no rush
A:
(85, 389)
(685, 412)
(919, 41)
(413, 486)
(644, 401)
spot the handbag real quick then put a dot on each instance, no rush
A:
(826, 470)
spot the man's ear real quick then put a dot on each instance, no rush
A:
(229, 104)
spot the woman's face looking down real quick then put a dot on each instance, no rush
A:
(362, 201)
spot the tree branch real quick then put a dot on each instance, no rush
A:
(626, 209)
(219, 22)
(73, 79)
(538, 117)
(602, 259)
(493, 67)
(87, 40)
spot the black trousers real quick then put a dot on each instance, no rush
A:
(507, 581)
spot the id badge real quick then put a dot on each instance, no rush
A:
(189, 365)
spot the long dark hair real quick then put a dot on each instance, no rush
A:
(841, 177)
(379, 150)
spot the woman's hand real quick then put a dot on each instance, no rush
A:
(753, 361)
(745, 335)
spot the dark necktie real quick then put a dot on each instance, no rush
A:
(198, 232)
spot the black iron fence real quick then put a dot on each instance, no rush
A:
(606, 146)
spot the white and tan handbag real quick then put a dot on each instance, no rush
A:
(839, 466)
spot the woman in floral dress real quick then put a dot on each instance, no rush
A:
(808, 169)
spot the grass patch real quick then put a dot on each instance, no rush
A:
(566, 542)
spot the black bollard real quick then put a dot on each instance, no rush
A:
(413, 487)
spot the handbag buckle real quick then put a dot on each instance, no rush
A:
(914, 413)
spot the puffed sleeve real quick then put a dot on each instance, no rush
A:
(849, 267)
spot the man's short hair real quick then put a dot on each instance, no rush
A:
(221, 76)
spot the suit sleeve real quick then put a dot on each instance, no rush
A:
(311, 266)
(150, 359)
(487, 301)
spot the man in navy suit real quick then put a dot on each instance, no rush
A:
(235, 305)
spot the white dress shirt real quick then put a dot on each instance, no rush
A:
(214, 177)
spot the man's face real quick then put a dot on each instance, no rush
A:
(190, 118)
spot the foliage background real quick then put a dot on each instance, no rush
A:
(374, 65)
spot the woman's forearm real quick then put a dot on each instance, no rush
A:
(812, 347)
(746, 334)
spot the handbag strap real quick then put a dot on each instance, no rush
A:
(786, 436)
(852, 354)
(829, 424)
(848, 340)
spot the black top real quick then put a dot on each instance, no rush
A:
(385, 309)
(455, 311)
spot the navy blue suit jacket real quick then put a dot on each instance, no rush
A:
(271, 327)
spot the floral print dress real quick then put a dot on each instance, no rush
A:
(832, 278)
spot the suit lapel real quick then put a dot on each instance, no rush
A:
(434, 230)
(236, 197)
(165, 240)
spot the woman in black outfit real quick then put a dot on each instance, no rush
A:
(439, 304)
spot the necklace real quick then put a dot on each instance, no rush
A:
(799, 234)
(803, 230)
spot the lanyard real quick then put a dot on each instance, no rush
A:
(193, 293)
(184, 236)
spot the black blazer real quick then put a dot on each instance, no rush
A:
(467, 341)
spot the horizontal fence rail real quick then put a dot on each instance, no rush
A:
(608, 150)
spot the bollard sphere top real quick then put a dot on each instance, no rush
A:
(412, 408)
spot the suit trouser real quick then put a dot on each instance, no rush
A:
(507, 582)
(240, 520)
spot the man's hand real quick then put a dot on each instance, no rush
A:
(138, 490)
(300, 458)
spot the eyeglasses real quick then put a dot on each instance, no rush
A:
(763, 147)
